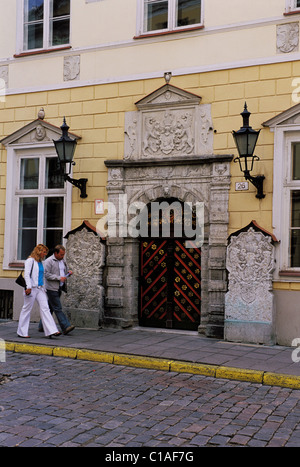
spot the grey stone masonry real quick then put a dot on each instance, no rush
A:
(168, 154)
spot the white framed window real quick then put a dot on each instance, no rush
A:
(157, 16)
(292, 5)
(39, 202)
(43, 24)
(286, 201)
(291, 200)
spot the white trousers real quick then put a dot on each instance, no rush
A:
(39, 295)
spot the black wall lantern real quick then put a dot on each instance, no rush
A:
(245, 139)
(65, 149)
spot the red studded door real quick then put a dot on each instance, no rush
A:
(170, 284)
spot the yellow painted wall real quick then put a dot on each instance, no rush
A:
(97, 113)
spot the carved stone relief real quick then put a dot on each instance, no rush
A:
(181, 128)
(288, 37)
(4, 74)
(84, 301)
(71, 67)
(190, 180)
(249, 300)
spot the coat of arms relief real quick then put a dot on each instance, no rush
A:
(250, 263)
(169, 123)
(169, 132)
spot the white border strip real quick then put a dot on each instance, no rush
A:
(159, 74)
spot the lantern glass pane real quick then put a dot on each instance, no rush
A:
(252, 138)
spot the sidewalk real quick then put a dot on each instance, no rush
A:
(164, 350)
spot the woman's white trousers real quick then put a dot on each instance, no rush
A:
(37, 294)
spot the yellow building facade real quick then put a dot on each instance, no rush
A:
(112, 56)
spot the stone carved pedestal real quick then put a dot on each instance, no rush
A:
(249, 304)
(84, 302)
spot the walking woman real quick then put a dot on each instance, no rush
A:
(35, 291)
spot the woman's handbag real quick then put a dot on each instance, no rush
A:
(20, 279)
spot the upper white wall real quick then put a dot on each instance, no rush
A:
(235, 33)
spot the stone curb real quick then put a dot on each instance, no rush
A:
(138, 361)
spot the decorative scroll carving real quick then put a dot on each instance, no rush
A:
(4, 74)
(71, 67)
(287, 37)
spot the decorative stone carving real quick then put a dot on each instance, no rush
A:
(4, 74)
(249, 300)
(71, 67)
(170, 122)
(3, 82)
(168, 153)
(287, 37)
(38, 131)
(84, 301)
(170, 132)
(40, 134)
(197, 179)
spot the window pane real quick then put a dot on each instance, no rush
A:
(295, 231)
(33, 24)
(34, 10)
(296, 161)
(28, 210)
(33, 36)
(156, 14)
(188, 12)
(60, 22)
(29, 176)
(27, 228)
(60, 8)
(53, 238)
(53, 221)
(26, 243)
(60, 32)
(54, 213)
(295, 249)
(295, 209)
(54, 177)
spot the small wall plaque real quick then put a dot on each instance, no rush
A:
(99, 206)
(242, 186)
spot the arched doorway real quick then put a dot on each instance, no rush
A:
(170, 269)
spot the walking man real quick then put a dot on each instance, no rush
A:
(56, 273)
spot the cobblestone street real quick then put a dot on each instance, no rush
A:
(48, 401)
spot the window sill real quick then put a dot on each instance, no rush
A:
(289, 273)
(41, 51)
(16, 265)
(290, 13)
(167, 33)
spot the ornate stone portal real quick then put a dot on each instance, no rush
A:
(249, 302)
(168, 154)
